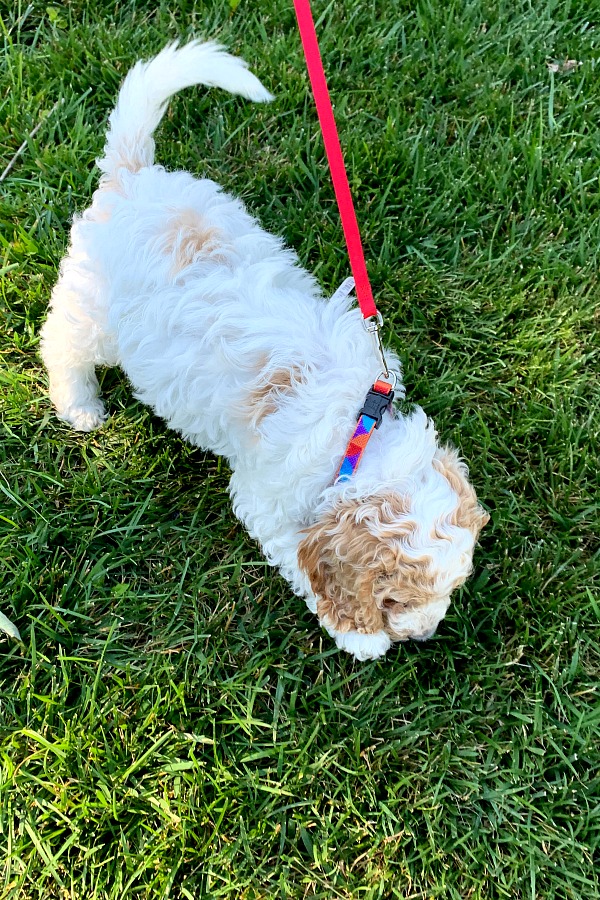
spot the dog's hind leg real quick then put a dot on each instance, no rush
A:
(73, 342)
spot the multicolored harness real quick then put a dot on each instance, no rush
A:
(378, 399)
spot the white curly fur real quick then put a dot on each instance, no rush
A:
(170, 278)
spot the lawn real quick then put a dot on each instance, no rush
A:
(174, 724)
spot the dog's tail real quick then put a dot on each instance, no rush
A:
(144, 95)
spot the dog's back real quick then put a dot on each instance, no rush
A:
(111, 242)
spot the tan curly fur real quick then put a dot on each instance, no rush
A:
(271, 387)
(187, 237)
(468, 514)
(354, 568)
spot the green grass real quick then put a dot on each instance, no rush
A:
(175, 724)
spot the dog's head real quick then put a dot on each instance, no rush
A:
(389, 561)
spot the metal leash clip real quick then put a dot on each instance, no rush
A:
(373, 325)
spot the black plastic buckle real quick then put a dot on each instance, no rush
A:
(376, 404)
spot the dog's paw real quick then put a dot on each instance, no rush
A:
(85, 418)
(362, 646)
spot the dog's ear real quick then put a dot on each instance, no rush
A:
(468, 513)
(343, 557)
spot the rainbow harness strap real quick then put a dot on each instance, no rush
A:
(370, 417)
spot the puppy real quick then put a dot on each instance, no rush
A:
(227, 338)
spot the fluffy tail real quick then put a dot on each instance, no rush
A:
(144, 95)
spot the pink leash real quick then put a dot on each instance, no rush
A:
(331, 140)
(380, 397)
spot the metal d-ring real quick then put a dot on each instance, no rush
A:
(390, 374)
